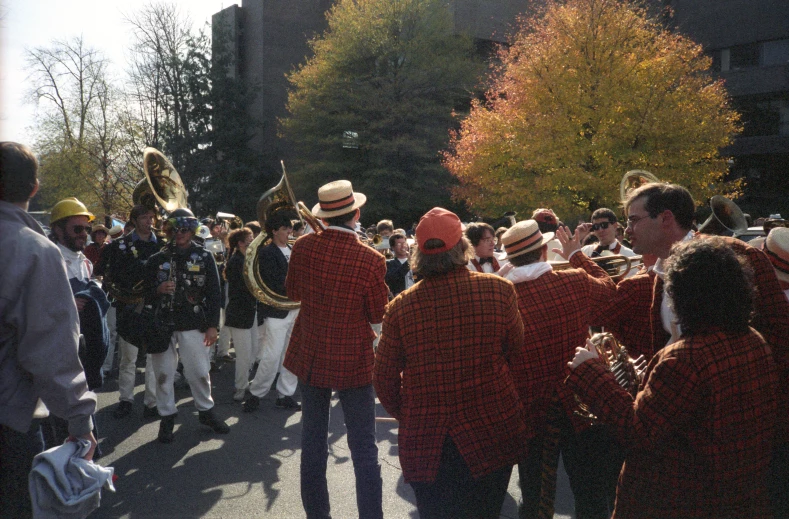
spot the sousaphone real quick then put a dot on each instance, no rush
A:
(634, 179)
(727, 219)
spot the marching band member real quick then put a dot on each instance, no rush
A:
(278, 325)
(125, 267)
(397, 268)
(340, 284)
(447, 368)
(481, 236)
(604, 225)
(700, 431)
(241, 312)
(557, 309)
(548, 222)
(99, 236)
(194, 299)
(660, 215)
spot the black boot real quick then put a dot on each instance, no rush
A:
(251, 404)
(166, 429)
(208, 418)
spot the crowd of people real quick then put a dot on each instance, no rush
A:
(474, 338)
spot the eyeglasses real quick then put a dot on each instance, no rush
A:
(601, 225)
(632, 220)
(79, 229)
(489, 239)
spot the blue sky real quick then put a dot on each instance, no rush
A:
(35, 23)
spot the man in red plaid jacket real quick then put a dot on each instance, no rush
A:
(446, 368)
(557, 309)
(700, 431)
(659, 216)
(340, 284)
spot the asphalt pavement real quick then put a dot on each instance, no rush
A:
(251, 472)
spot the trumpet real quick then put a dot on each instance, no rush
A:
(617, 266)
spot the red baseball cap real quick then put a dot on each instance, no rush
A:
(439, 224)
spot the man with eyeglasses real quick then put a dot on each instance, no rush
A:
(604, 226)
(125, 261)
(71, 225)
(483, 239)
(660, 215)
(184, 284)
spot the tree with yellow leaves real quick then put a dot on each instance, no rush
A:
(588, 90)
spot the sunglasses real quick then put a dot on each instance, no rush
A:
(601, 225)
(79, 229)
(183, 230)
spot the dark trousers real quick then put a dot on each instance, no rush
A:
(17, 451)
(358, 406)
(455, 494)
(778, 480)
(593, 460)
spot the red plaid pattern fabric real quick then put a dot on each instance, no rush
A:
(557, 309)
(450, 351)
(340, 283)
(700, 431)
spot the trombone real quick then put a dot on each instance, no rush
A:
(617, 266)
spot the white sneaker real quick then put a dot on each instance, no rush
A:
(239, 395)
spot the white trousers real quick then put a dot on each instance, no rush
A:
(223, 344)
(275, 336)
(112, 325)
(127, 374)
(244, 342)
(195, 357)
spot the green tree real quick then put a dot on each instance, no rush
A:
(374, 103)
(588, 90)
(79, 138)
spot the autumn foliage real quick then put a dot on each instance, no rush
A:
(588, 90)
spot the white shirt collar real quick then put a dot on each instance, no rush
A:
(659, 266)
(528, 272)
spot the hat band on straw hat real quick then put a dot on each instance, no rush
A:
(337, 205)
(778, 262)
(524, 243)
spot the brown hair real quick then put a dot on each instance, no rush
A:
(18, 172)
(431, 265)
(661, 196)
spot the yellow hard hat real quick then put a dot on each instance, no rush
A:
(69, 207)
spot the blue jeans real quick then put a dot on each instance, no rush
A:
(358, 406)
(17, 451)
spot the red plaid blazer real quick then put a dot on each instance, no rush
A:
(640, 297)
(557, 309)
(450, 350)
(340, 283)
(700, 431)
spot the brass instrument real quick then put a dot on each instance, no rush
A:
(161, 190)
(726, 219)
(634, 179)
(232, 221)
(278, 198)
(629, 373)
(617, 266)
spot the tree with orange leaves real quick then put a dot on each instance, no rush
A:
(588, 90)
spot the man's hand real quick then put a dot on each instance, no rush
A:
(81, 301)
(210, 337)
(167, 287)
(583, 354)
(570, 243)
(93, 443)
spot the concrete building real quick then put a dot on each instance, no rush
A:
(748, 39)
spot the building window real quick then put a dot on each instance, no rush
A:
(765, 117)
(775, 53)
(744, 56)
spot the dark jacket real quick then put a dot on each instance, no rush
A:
(123, 261)
(93, 327)
(241, 305)
(197, 296)
(395, 275)
(273, 267)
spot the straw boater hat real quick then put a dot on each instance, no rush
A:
(776, 246)
(116, 231)
(524, 237)
(337, 198)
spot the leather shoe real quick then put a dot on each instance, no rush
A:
(286, 402)
(166, 426)
(208, 418)
(251, 404)
(150, 412)
(124, 409)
